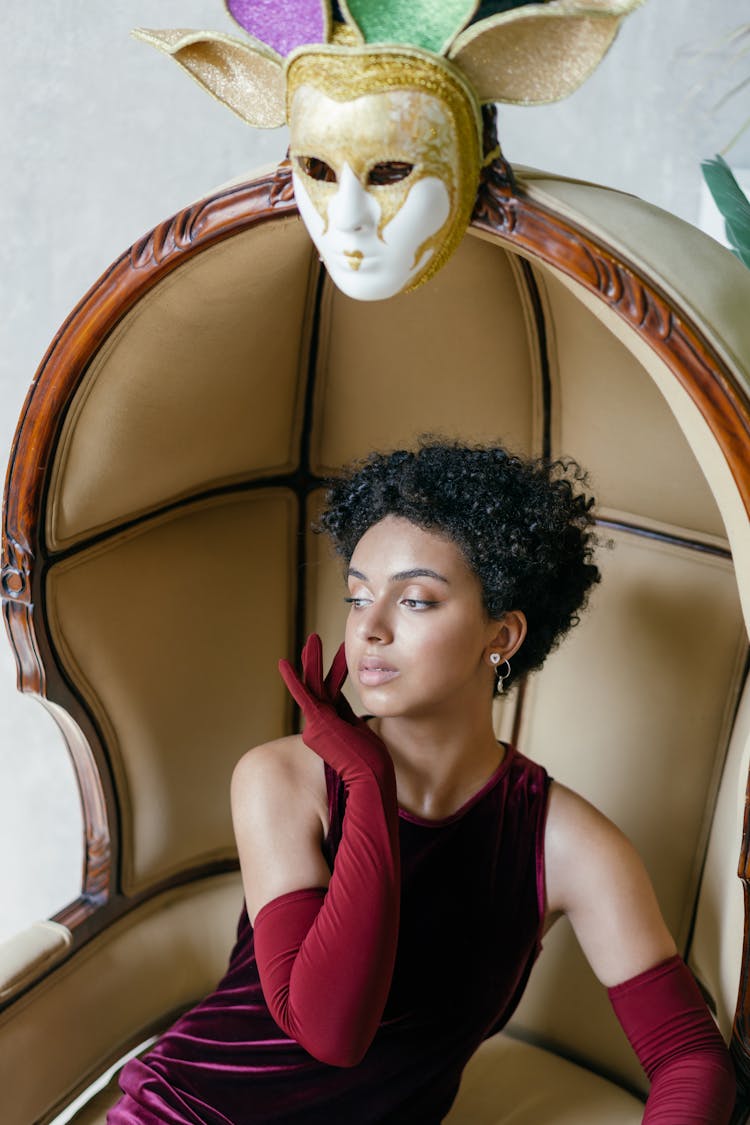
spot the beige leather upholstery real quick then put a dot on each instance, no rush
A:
(154, 962)
(458, 356)
(166, 628)
(25, 956)
(179, 586)
(513, 1083)
(709, 287)
(609, 413)
(177, 399)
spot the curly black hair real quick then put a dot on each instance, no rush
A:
(524, 526)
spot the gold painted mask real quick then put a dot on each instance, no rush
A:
(385, 156)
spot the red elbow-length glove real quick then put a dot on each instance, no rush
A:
(679, 1046)
(326, 957)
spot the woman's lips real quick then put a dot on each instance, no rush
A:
(373, 672)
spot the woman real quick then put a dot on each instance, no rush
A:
(400, 871)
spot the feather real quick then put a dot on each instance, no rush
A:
(732, 203)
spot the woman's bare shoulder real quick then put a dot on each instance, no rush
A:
(596, 877)
(280, 816)
(571, 815)
(583, 849)
(284, 772)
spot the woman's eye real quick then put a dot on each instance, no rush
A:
(389, 172)
(417, 603)
(317, 169)
(357, 603)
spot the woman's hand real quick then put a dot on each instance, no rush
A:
(332, 729)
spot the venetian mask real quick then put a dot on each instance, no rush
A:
(385, 176)
(384, 110)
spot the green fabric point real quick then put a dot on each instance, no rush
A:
(430, 24)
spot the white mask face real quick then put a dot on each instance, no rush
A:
(374, 184)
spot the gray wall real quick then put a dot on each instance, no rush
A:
(102, 138)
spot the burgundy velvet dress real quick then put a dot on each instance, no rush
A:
(472, 907)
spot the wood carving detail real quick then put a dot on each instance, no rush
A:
(15, 575)
(18, 611)
(499, 209)
(282, 188)
(185, 229)
(31, 676)
(169, 237)
(495, 208)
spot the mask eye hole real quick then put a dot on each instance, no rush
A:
(316, 169)
(389, 172)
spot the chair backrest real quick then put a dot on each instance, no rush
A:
(156, 562)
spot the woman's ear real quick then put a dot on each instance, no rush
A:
(509, 634)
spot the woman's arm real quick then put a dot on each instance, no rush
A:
(325, 947)
(278, 812)
(596, 877)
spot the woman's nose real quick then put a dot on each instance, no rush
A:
(352, 208)
(373, 625)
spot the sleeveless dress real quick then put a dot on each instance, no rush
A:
(472, 909)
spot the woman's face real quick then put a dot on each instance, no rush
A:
(374, 180)
(417, 636)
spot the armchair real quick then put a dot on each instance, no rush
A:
(156, 561)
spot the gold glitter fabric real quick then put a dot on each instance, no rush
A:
(345, 36)
(540, 52)
(247, 77)
(538, 61)
(349, 72)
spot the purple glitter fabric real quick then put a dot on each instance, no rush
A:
(281, 26)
